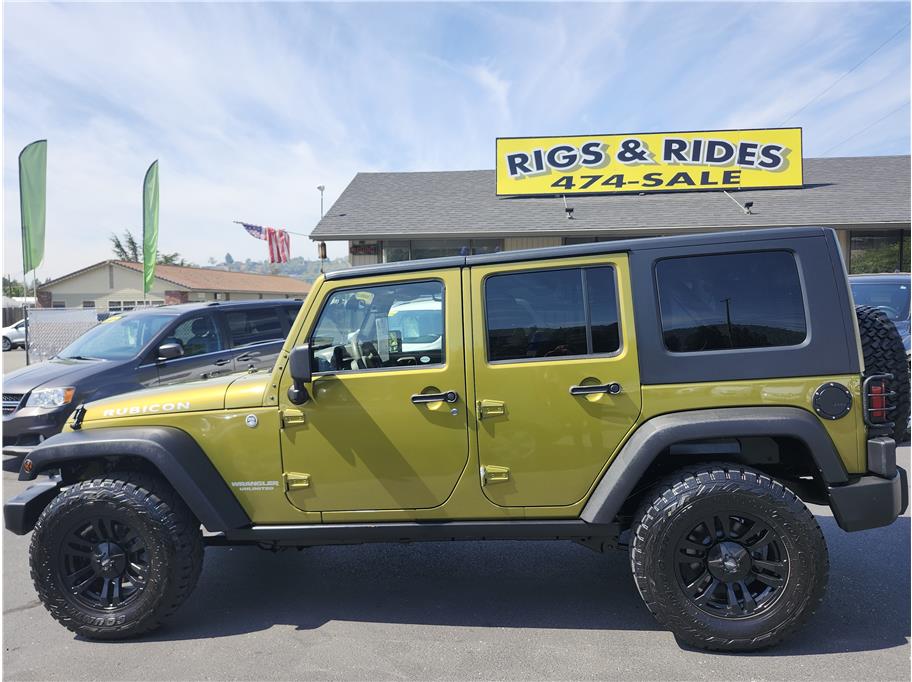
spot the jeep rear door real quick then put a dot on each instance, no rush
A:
(378, 432)
(556, 375)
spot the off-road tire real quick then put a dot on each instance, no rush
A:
(149, 507)
(7, 344)
(679, 503)
(884, 353)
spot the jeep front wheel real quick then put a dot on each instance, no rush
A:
(728, 558)
(111, 558)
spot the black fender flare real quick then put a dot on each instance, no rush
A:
(173, 452)
(656, 434)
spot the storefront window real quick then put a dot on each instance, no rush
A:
(878, 251)
(399, 250)
(394, 251)
(592, 240)
(486, 246)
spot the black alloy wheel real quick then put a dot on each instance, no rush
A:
(727, 558)
(732, 565)
(104, 563)
(115, 557)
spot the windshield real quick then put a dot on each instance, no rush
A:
(890, 297)
(117, 338)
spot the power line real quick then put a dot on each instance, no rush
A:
(835, 82)
(866, 128)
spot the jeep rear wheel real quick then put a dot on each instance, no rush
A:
(727, 558)
(7, 344)
(112, 558)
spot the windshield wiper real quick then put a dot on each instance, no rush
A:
(77, 357)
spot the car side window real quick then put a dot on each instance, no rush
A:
(395, 325)
(568, 312)
(197, 335)
(731, 301)
(249, 326)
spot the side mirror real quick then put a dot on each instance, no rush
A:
(169, 351)
(299, 366)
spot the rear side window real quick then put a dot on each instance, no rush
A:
(731, 301)
(255, 325)
(551, 313)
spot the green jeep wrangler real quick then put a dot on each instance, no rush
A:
(680, 398)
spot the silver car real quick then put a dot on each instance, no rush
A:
(14, 336)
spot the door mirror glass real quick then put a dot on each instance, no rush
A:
(299, 368)
(169, 351)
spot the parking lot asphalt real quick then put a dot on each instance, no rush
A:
(462, 610)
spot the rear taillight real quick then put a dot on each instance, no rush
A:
(876, 397)
(877, 403)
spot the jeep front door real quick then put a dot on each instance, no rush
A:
(385, 427)
(556, 376)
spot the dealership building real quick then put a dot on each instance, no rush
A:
(388, 217)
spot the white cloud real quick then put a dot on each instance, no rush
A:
(249, 107)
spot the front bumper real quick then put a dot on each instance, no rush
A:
(876, 499)
(21, 513)
(28, 426)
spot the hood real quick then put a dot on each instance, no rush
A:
(233, 391)
(53, 373)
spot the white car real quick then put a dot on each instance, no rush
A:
(412, 331)
(14, 336)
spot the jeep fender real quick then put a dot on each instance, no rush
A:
(176, 456)
(658, 433)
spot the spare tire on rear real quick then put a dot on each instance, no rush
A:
(884, 353)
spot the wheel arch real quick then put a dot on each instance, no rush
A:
(653, 444)
(171, 453)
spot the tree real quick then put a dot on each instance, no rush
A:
(13, 287)
(229, 261)
(129, 249)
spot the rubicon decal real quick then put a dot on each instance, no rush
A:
(597, 164)
(150, 408)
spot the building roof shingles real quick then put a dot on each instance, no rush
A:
(838, 191)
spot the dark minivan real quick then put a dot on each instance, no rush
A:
(138, 349)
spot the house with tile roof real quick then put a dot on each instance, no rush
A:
(117, 286)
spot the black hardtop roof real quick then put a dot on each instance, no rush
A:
(615, 246)
(182, 308)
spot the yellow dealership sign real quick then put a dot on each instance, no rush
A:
(649, 162)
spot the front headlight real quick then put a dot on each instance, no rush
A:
(50, 397)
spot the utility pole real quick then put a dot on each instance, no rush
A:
(321, 247)
(728, 320)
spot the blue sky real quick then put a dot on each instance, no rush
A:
(249, 107)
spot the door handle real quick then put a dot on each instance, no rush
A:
(423, 398)
(222, 361)
(611, 389)
(243, 358)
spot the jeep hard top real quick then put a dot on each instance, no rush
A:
(680, 398)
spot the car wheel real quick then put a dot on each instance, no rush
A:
(727, 558)
(112, 558)
(7, 345)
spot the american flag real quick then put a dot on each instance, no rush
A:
(278, 240)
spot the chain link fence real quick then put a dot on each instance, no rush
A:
(50, 330)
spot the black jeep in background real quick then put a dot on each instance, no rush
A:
(139, 349)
